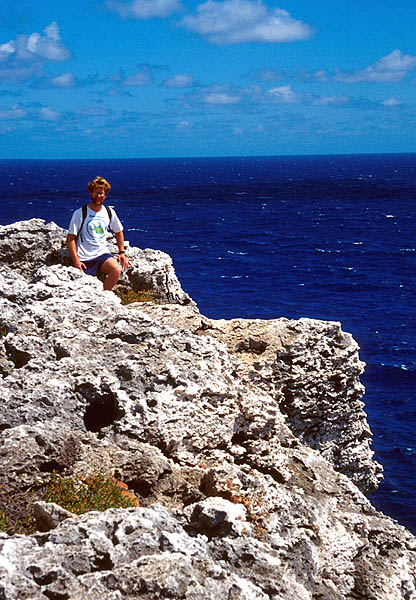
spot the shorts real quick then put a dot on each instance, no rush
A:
(93, 266)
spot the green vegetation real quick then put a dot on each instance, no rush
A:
(128, 295)
(73, 494)
(96, 493)
(12, 524)
(4, 330)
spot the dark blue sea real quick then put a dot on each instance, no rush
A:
(326, 237)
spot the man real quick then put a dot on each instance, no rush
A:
(87, 236)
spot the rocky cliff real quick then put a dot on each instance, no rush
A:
(245, 443)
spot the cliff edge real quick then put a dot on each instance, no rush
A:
(245, 443)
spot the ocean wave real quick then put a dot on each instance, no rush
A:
(402, 367)
(392, 375)
(327, 251)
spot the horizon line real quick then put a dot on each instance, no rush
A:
(231, 156)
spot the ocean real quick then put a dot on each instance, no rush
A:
(325, 237)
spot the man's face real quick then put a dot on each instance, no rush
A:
(98, 196)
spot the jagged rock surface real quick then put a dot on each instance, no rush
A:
(249, 511)
(28, 245)
(149, 553)
(312, 370)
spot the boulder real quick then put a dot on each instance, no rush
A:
(48, 515)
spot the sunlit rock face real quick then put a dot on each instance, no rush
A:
(245, 442)
(27, 245)
(311, 368)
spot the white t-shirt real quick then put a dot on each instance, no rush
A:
(92, 241)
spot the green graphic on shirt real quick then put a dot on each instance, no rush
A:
(97, 228)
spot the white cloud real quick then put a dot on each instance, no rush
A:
(47, 114)
(391, 68)
(144, 9)
(221, 98)
(28, 48)
(321, 76)
(24, 57)
(396, 61)
(234, 21)
(15, 112)
(117, 92)
(7, 49)
(331, 100)
(284, 94)
(184, 125)
(179, 81)
(392, 102)
(141, 78)
(66, 80)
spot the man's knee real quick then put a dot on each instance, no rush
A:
(111, 266)
(116, 269)
(112, 270)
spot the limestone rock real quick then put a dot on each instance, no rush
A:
(147, 553)
(203, 421)
(27, 245)
(48, 515)
(216, 516)
(312, 370)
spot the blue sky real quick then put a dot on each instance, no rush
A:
(154, 78)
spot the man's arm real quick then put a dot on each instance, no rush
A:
(72, 249)
(122, 258)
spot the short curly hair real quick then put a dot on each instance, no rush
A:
(99, 182)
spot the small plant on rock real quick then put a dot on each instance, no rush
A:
(95, 493)
(17, 522)
(128, 295)
(3, 522)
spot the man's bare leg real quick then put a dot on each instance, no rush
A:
(112, 269)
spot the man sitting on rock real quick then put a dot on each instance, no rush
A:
(87, 236)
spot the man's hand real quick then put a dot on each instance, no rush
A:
(80, 265)
(72, 249)
(123, 260)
